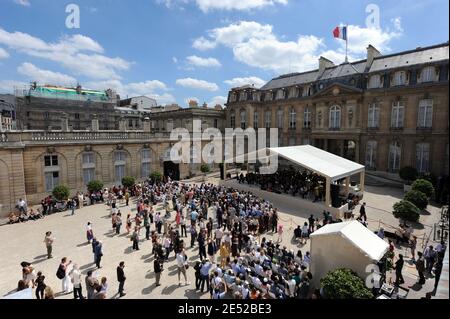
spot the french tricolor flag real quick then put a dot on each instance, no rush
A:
(340, 32)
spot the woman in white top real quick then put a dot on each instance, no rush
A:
(75, 274)
(182, 263)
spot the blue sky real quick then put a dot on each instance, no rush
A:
(176, 50)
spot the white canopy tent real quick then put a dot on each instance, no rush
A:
(323, 163)
(345, 245)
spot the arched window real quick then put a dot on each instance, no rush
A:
(292, 119)
(428, 74)
(395, 152)
(307, 118)
(425, 113)
(335, 117)
(371, 154)
(88, 167)
(119, 166)
(146, 162)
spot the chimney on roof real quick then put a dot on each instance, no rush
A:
(323, 64)
(193, 104)
(372, 53)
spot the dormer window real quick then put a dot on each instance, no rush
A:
(428, 74)
(280, 94)
(293, 92)
(399, 78)
(243, 96)
(374, 81)
(268, 96)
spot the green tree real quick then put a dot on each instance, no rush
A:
(424, 186)
(408, 174)
(61, 192)
(344, 283)
(417, 198)
(128, 181)
(205, 168)
(406, 210)
(156, 176)
(94, 186)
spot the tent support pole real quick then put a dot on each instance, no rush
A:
(347, 185)
(361, 180)
(328, 192)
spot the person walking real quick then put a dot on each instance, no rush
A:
(430, 255)
(48, 240)
(212, 249)
(75, 275)
(121, 278)
(183, 225)
(91, 282)
(147, 225)
(182, 264)
(194, 235)
(158, 267)
(413, 245)
(198, 279)
(420, 266)
(135, 239)
(73, 205)
(398, 270)
(89, 232)
(201, 246)
(40, 285)
(118, 222)
(98, 254)
(362, 212)
(204, 274)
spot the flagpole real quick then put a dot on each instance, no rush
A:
(346, 44)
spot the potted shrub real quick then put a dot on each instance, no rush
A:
(94, 186)
(61, 192)
(204, 168)
(424, 186)
(407, 211)
(417, 198)
(408, 174)
(344, 283)
(156, 176)
(128, 181)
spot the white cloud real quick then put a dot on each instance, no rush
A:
(80, 54)
(25, 3)
(203, 62)
(221, 100)
(3, 54)
(256, 45)
(236, 82)
(197, 84)
(8, 86)
(207, 5)
(174, 60)
(41, 76)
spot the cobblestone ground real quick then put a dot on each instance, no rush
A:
(24, 242)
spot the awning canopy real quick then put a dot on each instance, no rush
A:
(359, 236)
(319, 161)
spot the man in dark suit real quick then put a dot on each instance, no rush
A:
(121, 278)
(398, 270)
(158, 265)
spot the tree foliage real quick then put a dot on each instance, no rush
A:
(61, 192)
(406, 210)
(94, 186)
(128, 181)
(344, 283)
(417, 198)
(424, 186)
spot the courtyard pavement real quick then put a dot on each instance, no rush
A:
(24, 242)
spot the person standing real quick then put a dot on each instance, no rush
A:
(91, 283)
(420, 266)
(201, 246)
(40, 285)
(182, 264)
(183, 225)
(362, 212)
(89, 232)
(118, 222)
(73, 205)
(218, 236)
(430, 255)
(98, 254)
(193, 235)
(398, 270)
(147, 225)
(127, 198)
(274, 221)
(48, 240)
(413, 245)
(135, 239)
(158, 267)
(121, 278)
(204, 274)
(75, 274)
(63, 273)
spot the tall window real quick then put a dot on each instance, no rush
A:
(268, 96)
(399, 78)
(423, 157)
(255, 120)
(232, 120)
(395, 153)
(374, 116)
(88, 166)
(268, 119)
(256, 96)
(51, 172)
(243, 120)
(425, 116)
(293, 92)
(292, 141)
(119, 166)
(428, 74)
(371, 153)
(146, 162)
(280, 115)
(374, 81)
(335, 117)
(280, 94)
(307, 118)
(397, 115)
(243, 96)
(306, 141)
(292, 119)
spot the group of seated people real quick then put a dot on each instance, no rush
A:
(23, 216)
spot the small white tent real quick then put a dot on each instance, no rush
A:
(344, 245)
